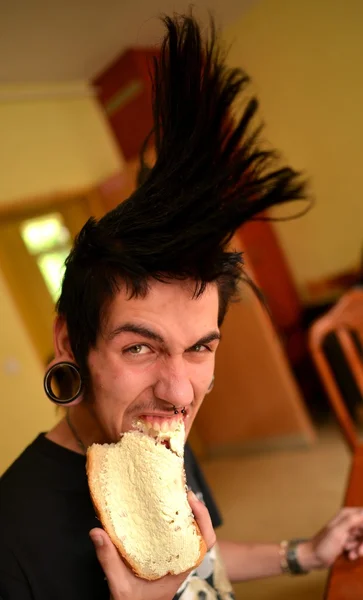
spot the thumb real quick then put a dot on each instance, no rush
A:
(108, 557)
(202, 517)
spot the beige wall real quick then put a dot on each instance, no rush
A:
(46, 146)
(57, 143)
(24, 411)
(306, 61)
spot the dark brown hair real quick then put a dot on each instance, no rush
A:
(211, 175)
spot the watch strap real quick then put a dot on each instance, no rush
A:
(289, 560)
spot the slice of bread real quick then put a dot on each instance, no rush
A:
(138, 490)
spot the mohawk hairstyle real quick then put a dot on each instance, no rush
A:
(211, 175)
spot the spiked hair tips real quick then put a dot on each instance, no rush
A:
(211, 175)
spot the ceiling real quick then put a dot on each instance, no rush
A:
(44, 40)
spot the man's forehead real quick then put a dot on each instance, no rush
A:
(164, 301)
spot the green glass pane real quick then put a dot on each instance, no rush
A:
(44, 233)
(51, 266)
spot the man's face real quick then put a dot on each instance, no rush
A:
(153, 353)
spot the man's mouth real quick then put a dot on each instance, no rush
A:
(169, 432)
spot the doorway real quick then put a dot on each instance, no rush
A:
(35, 239)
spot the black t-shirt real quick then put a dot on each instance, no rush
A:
(45, 516)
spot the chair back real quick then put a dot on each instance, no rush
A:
(345, 322)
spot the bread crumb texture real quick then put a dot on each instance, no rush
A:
(142, 485)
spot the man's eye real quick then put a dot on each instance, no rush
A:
(200, 348)
(138, 349)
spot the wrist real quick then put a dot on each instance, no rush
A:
(306, 556)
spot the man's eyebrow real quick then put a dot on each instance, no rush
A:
(138, 330)
(207, 339)
(156, 337)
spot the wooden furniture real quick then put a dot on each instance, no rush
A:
(346, 577)
(330, 288)
(255, 404)
(265, 256)
(124, 90)
(346, 320)
(262, 405)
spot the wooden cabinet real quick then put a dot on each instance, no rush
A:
(256, 403)
(125, 93)
(272, 274)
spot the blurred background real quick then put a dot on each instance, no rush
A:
(75, 108)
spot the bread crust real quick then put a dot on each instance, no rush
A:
(93, 468)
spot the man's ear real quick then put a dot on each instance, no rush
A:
(68, 390)
(62, 345)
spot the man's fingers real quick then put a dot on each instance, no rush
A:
(342, 530)
(353, 514)
(109, 559)
(203, 519)
(111, 562)
(350, 545)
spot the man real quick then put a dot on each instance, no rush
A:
(143, 298)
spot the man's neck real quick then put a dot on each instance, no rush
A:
(84, 424)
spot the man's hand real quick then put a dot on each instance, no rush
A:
(124, 585)
(344, 533)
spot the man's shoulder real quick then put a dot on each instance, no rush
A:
(15, 501)
(23, 488)
(18, 473)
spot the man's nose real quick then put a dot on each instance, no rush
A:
(174, 385)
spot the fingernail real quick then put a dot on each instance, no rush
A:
(97, 540)
(193, 496)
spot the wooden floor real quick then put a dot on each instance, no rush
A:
(281, 495)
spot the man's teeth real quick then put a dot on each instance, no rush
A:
(156, 428)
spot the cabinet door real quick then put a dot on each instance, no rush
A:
(255, 403)
(265, 256)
